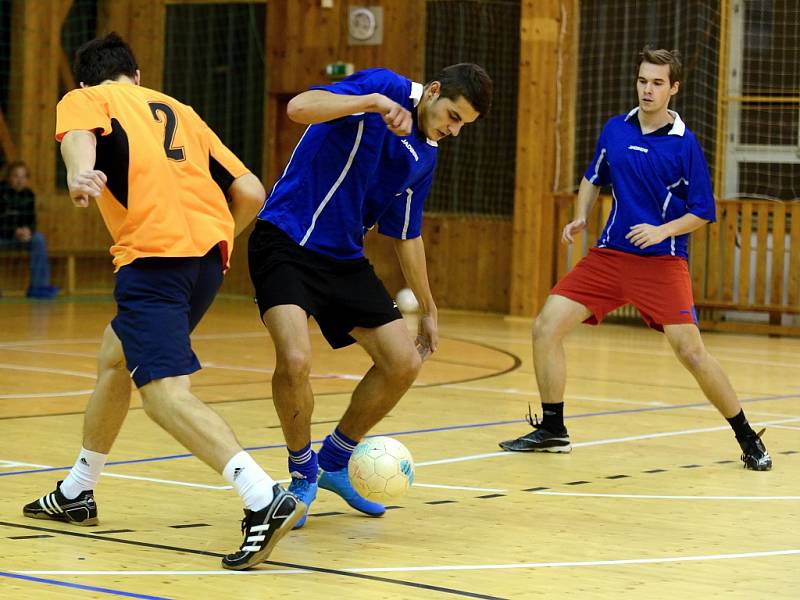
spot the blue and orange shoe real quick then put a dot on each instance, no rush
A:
(338, 482)
(306, 492)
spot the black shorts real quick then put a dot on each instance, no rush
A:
(340, 294)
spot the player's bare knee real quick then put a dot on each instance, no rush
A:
(111, 355)
(544, 329)
(692, 356)
(402, 369)
(294, 366)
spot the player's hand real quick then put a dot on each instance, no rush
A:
(86, 184)
(397, 118)
(572, 229)
(23, 234)
(427, 341)
(645, 235)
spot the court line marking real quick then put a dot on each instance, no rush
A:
(305, 568)
(13, 367)
(440, 568)
(786, 427)
(632, 438)
(78, 586)
(647, 436)
(479, 425)
(662, 497)
(456, 487)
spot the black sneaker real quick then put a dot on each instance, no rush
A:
(54, 506)
(264, 528)
(539, 440)
(754, 453)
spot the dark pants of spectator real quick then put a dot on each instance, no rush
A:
(40, 265)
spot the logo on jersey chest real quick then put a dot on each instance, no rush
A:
(638, 148)
(410, 149)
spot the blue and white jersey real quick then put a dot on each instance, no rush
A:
(348, 174)
(655, 178)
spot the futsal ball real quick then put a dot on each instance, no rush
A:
(381, 469)
(407, 301)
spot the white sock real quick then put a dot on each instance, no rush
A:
(84, 474)
(249, 480)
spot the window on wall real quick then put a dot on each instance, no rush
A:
(762, 154)
(611, 35)
(475, 172)
(214, 61)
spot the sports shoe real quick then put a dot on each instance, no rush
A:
(305, 491)
(338, 482)
(42, 292)
(263, 529)
(539, 440)
(754, 453)
(56, 507)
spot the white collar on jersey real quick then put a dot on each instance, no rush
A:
(416, 96)
(678, 127)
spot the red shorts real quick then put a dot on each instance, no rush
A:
(658, 286)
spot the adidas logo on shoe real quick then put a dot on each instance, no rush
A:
(264, 528)
(56, 507)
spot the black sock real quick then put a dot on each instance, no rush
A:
(553, 417)
(741, 428)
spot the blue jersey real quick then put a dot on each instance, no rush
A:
(347, 175)
(655, 178)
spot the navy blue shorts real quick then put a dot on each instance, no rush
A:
(160, 300)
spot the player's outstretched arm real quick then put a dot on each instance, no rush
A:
(644, 235)
(319, 106)
(79, 151)
(247, 197)
(411, 254)
(587, 196)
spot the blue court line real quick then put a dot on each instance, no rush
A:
(88, 588)
(606, 413)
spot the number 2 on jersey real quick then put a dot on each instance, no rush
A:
(169, 129)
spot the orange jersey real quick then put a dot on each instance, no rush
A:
(167, 171)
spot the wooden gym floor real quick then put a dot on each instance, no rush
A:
(652, 502)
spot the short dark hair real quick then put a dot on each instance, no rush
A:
(467, 80)
(14, 165)
(661, 56)
(102, 58)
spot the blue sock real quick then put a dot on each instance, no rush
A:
(303, 463)
(336, 451)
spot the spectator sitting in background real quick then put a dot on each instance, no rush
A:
(18, 228)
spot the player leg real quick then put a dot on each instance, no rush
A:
(73, 499)
(558, 317)
(396, 364)
(688, 346)
(292, 396)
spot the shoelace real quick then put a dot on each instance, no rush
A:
(533, 419)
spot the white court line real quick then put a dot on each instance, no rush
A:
(47, 370)
(786, 427)
(632, 438)
(457, 487)
(518, 392)
(424, 568)
(92, 355)
(450, 460)
(44, 395)
(13, 463)
(663, 497)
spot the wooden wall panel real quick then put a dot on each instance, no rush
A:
(35, 56)
(142, 24)
(533, 258)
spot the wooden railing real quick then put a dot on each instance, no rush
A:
(748, 261)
